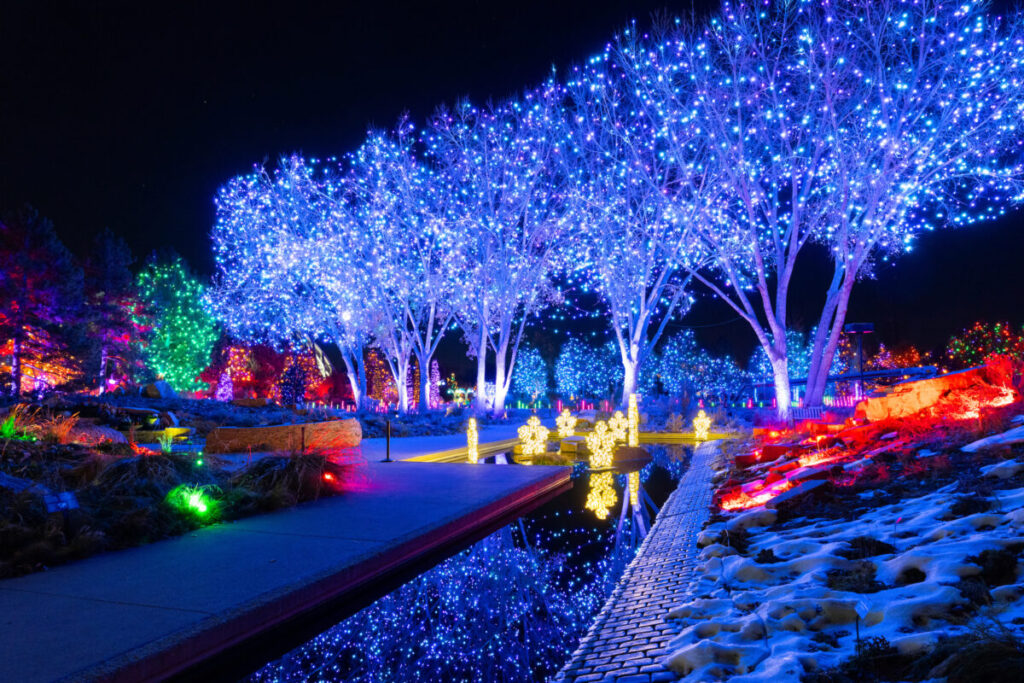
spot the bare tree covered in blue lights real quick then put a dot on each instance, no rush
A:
(855, 125)
(409, 249)
(638, 187)
(717, 151)
(800, 359)
(282, 267)
(508, 207)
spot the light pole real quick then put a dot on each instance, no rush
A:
(858, 330)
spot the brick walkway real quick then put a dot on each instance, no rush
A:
(630, 634)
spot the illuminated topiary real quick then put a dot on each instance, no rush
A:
(182, 333)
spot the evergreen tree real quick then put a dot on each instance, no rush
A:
(110, 301)
(40, 294)
(182, 333)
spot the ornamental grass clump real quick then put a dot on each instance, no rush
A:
(283, 481)
(197, 501)
(58, 428)
(17, 424)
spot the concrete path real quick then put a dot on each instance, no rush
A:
(630, 634)
(195, 605)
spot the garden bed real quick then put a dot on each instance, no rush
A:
(883, 551)
(61, 501)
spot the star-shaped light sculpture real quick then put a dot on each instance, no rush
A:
(566, 423)
(534, 437)
(617, 425)
(600, 443)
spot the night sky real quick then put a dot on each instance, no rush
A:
(130, 115)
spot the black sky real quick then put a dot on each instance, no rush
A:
(130, 115)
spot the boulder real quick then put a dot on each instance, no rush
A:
(792, 494)
(159, 389)
(345, 433)
(910, 398)
(251, 402)
(88, 434)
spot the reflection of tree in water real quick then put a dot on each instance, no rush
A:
(498, 611)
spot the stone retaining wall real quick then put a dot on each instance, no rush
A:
(346, 433)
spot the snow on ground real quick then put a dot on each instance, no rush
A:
(791, 601)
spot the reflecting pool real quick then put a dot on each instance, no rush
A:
(512, 607)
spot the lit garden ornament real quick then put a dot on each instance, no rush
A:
(618, 425)
(634, 422)
(701, 426)
(534, 437)
(472, 440)
(634, 489)
(601, 496)
(566, 423)
(600, 443)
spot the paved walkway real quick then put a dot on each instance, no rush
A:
(630, 634)
(150, 612)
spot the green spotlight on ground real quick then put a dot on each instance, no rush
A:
(195, 500)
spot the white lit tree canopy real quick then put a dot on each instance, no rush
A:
(282, 270)
(853, 125)
(508, 209)
(638, 186)
(408, 248)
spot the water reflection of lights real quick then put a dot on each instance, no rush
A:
(601, 496)
(506, 609)
(510, 608)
